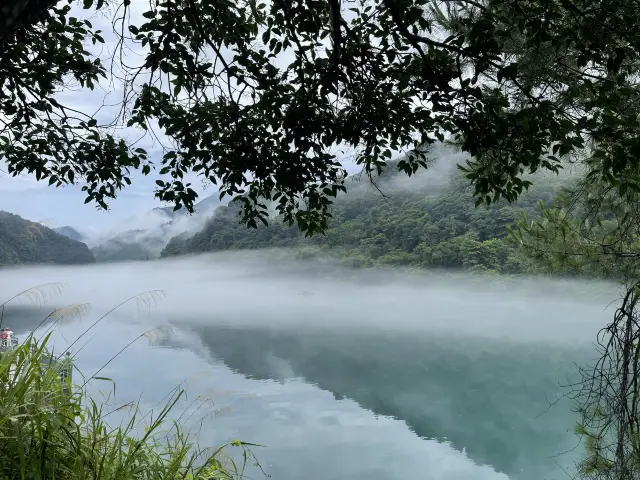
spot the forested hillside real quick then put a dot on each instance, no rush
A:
(122, 249)
(22, 241)
(404, 225)
(70, 232)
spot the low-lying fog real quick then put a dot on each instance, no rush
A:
(343, 374)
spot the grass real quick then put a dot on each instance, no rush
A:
(51, 429)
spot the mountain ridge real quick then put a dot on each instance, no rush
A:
(148, 243)
(24, 242)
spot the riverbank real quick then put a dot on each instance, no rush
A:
(50, 428)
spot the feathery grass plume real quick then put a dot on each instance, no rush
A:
(50, 430)
(158, 334)
(148, 299)
(38, 294)
(35, 295)
(65, 315)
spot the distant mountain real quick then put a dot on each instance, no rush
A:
(206, 206)
(23, 241)
(116, 250)
(428, 221)
(139, 244)
(70, 232)
(154, 231)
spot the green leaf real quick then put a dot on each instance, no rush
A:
(623, 188)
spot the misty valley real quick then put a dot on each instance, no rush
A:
(340, 373)
(427, 221)
(418, 338)
(320, 239)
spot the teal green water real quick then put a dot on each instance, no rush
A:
(488, 398)
(354, 376)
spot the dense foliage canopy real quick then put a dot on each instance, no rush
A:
(259, 96)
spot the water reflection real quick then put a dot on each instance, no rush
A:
(344, 374)
(484, 397)
(306, 432)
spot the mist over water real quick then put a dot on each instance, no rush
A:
(342, 373)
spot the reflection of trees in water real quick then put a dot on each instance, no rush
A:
(481, 396)
(24, 318)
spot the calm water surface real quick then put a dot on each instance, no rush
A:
(342, 376)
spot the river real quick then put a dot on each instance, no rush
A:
(340, 374)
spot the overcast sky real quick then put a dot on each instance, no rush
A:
(37, 201)
(65, 206)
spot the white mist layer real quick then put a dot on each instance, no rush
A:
(265, 289)
(152, 223)
(304, 426)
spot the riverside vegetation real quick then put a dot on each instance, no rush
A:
(436, 226)
(50, 428)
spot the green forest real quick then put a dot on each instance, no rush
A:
(408, 225)
(22, 241)
(426, 222)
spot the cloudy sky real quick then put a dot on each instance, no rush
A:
(61, 206)
(65, 206)
(37, 201)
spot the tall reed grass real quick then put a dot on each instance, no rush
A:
(51, 429)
